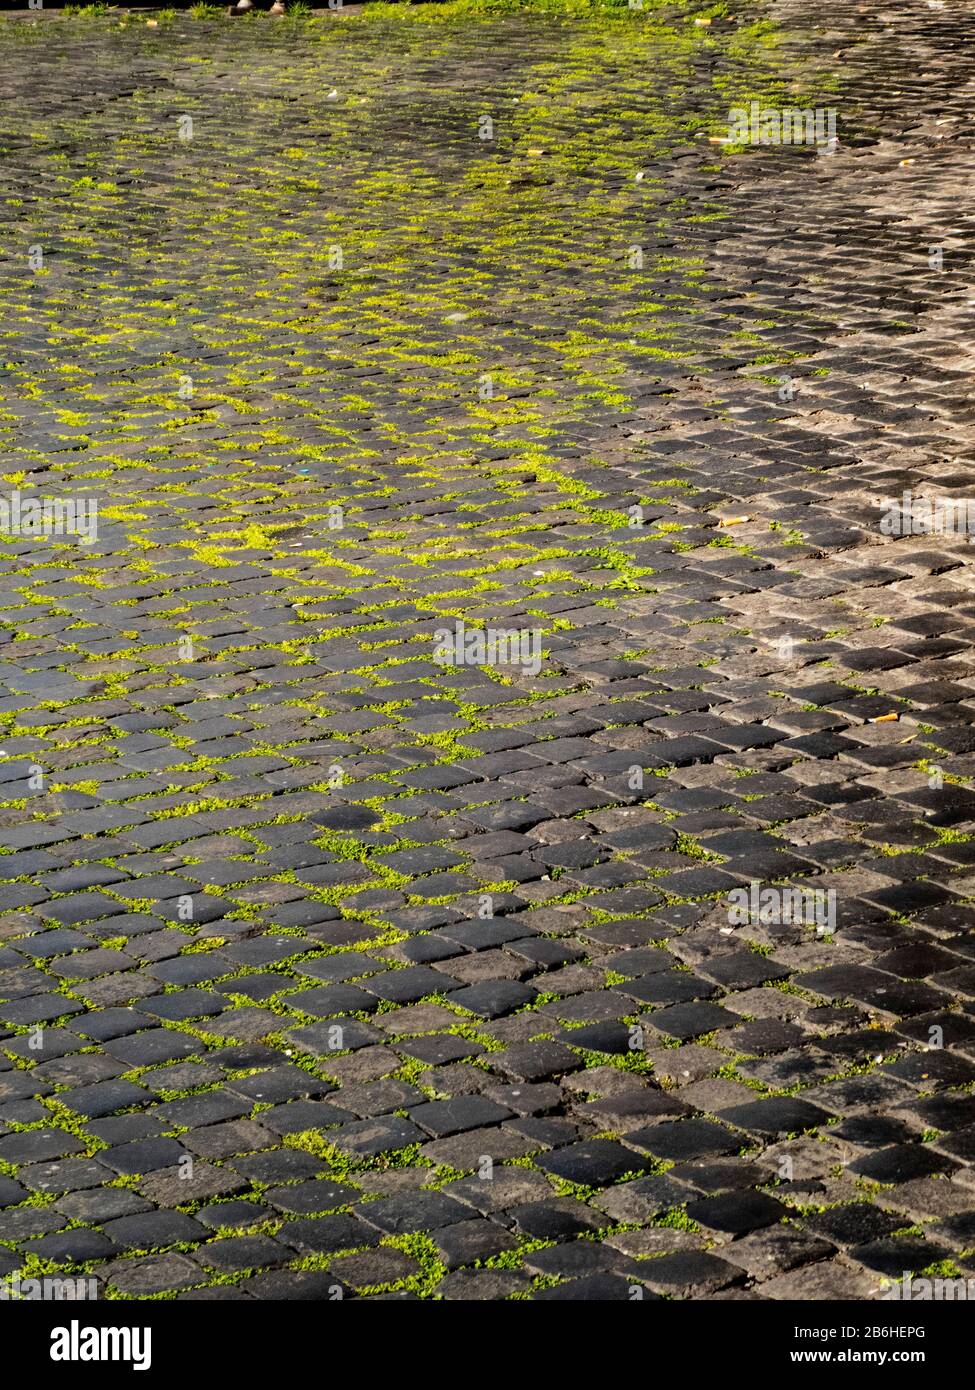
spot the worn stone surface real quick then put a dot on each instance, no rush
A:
(333, 967)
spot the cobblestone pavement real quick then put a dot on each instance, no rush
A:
(326, 966)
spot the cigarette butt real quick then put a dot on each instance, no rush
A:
(733, 520)
(884, 719)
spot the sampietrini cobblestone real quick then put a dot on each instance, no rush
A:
(328, 965)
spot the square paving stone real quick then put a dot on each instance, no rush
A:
(442, 1117)
(776, 1115)
(685, 1139)
(901, 1163)
(152, 1047)
(415, 1211)
(429, 947)
(371, 1268)
(327, 1234)
(316, 1195)
(608, 1036)
(36, 1146)
(331, 1001)
(853, 1223)
(96, 1205)
(667, 987)
(689, 1272)
(294, 1285)
(183, 1005)
(439, 1049)
(592, 1163)
(573, 1259)
(642, 1199)
(144, 1155)
(153, 1230)
(226, 1140)
(642, 961)
(775, 1250)
(230, 1253)
(557, 1219)
(719, 1174)
(232, 1215)
(244, 1024)
(472, 1241)
(336, 969)
(367, 1138)
(959, 1144)
(215, 1293)
(594, 1288)
(947, 1112)
(741, 969)
(208, 1109)
(82, 907)
(685, 1021)
(380, 1097)
(334, 1036)
(278, 1165)
(281, 1083)
(408, 985)
(898, 1256)
(123, 1129)
(527, 1098)
(737, 1212)
(71, 1247)
(38, 1008)
(21, 1225)
(493, 998)
(104, 1098)
(931, 1070)
(872, 1131)
(65, 1175)
(536, 1061)
(958, 1230)
(631, 1108)
(170, 1187)
(507, 1186)
(143, 1277)
(765, 1035)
